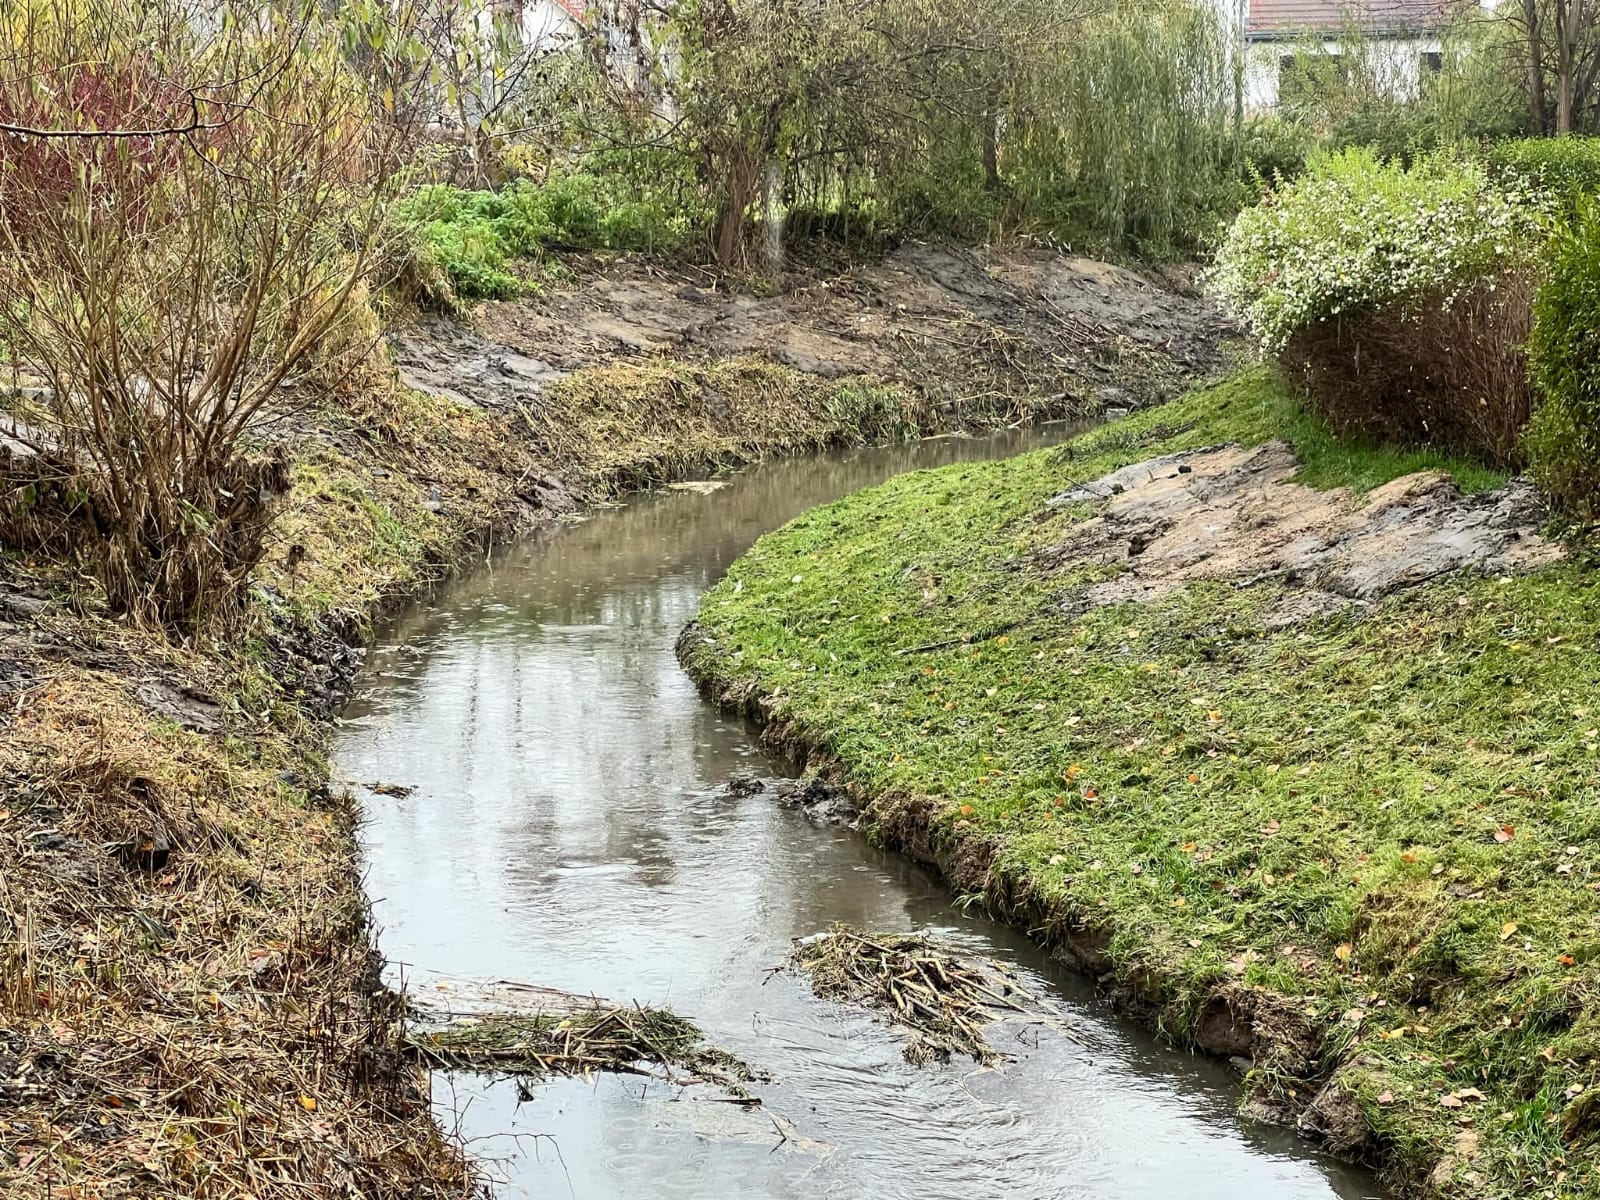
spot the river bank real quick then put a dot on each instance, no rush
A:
(189, 1002)
(1307, 779)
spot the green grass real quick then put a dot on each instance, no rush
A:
(1317, 812)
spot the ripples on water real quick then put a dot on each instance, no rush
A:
(568, 828)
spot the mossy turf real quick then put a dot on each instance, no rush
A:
(1391, 820)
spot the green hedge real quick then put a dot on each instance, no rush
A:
(1563, 440)
(1567, 167)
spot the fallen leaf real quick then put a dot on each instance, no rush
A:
(1343, 952)
(1450, 1101)
(1504, 834)
(1385, 1097)
(967, 810)
(1506, 930)
(1470, 1093)
(1270, 829)
(1189, 847)
(1566, 960)
(307, 1103)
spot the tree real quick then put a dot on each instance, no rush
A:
(1559, 46)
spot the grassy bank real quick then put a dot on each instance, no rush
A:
(1358, 851)
(189, 1003)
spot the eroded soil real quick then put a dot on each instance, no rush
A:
(1237, 515)
(961, 322)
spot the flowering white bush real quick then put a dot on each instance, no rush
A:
(1358, 235)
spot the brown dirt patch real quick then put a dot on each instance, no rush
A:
(956, 323)
(1237, 515)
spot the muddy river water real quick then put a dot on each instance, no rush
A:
(569, 827)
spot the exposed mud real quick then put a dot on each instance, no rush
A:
(1237, 515)
(952, 321)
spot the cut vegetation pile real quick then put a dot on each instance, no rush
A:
(586, 1038)
(945, 1000)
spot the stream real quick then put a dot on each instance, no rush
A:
(569, 826)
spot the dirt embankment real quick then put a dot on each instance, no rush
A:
(1003, 327)
(188, 1002)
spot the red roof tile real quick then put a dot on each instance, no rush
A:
(1282, 18)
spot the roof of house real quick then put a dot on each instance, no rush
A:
(1288, 18)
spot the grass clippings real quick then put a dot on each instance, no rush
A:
(944, 999)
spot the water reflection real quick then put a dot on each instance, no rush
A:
(569, 828)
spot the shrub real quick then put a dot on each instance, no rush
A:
(1451, 373)
(1359, 234)
(1566, 167)
(474, 236)
(1563, 441)
(194, 231)
(1276, 149)
(1397, 297)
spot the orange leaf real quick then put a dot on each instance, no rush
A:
(307, 1103)
(1504, 834)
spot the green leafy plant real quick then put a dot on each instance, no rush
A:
(475, 236)
(1567, 167)
(1563, 439)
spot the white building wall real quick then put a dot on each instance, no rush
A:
(1397, 62)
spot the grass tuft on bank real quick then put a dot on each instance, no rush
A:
(1370, 838)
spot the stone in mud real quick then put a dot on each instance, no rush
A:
(1230, 513)
(821, 801)
(188, 708)
(741, 786)
(1335, 1119)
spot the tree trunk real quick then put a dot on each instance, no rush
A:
(991, 140)
(1537, 119)
(772, 218)
(1569, 28)
(739, 176)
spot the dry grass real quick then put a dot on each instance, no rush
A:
(188, 1004)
